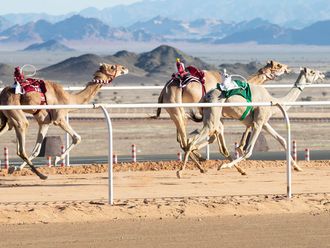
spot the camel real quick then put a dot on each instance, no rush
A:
(55, 95)
(257, 119)
(193, 93)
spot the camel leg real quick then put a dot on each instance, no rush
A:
(267, 127)
(254, 135)
(177, 116)
(43, 129)
(183, 166)
(189, 153)
(20, 134)
(224, 151)
(196, 159)
(244, 141)
(76, 139)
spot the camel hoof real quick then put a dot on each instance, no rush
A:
(203, 170)
(11, 170)
(43, 177)
(224, 166)
(243, 173)
(298, 169)
(178, 174)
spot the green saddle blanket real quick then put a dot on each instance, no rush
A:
(244, 91)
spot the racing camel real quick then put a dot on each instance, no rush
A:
(257, 119)
(55, 94)
(193, 93)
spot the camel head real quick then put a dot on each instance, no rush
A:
(308, 76)
(108, 72)
(274, 69)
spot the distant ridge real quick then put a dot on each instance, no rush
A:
(163, 29)
(74, 28)
(162, 60)
(158, 63)
(49, 46)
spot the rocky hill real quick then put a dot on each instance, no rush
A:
(149, 67)
(48, 46)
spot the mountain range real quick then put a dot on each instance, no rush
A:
(149, 68)
(164, 29)
(155, 66)
(293, 13)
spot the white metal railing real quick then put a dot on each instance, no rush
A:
(270, 86)
(104, 108)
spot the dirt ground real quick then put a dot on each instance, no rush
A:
(152, 190)
(153, 208)
(257, 231)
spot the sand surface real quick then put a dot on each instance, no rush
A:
(152, 190)
(258, 231)
(153, 208)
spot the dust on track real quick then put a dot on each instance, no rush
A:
(86, 180)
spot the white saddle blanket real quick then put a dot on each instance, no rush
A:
(228, 84)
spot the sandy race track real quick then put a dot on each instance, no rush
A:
(148, 194)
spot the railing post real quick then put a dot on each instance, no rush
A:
(288, 151)
(110, 158)
(208, 150)
(67, 143)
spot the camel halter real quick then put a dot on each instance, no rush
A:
(302, 86)
(112, 77)
(270, 76)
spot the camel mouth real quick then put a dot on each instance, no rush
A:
(287, 70)
(124, 72)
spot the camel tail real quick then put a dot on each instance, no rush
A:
(160, 100)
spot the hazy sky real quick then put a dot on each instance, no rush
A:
(56, 6)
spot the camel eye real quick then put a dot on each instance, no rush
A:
(112, 67)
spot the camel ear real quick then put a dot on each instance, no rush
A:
(272, 63)
(305, 69)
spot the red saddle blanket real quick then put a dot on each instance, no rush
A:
(32, 84)
(191, 73)
(28, 84)
(195, 72)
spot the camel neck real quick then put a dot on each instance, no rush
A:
(295, 91)
(87, 94)
(257, 79)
